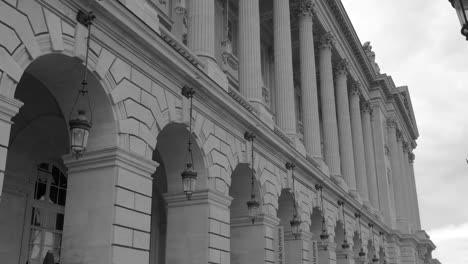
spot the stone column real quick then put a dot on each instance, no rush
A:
(398, 189)
(369, 155)
(358, 142)
(201, 38)
(309, 82)
(327, 98)
(201, 29)
(297, 249)
(344, 126)
(255, 243)
(108, 209)
(381, 169)
(285, 116)
(198, 229)
(8, 109)
(403, 182)
(250, 68)
(415, 193)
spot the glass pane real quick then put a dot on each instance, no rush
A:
(49, 239)
(63, 181)
(36, 217)
(55, 176)
(59, 222)
(53, 194)
(40, 190)
(35, 237)
(62, 197)
(44, 166)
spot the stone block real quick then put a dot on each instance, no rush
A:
(123, 236)
(9, 38)
(269, 232)
(219, 242)
(125, 198)
(158, 92)
(139, 112)
(55, 30)
(67, 29)
(134, 182)
(141, 240)
(143, 203)
(225, 257)
(214, 255)
(120, 70)
(215, 226)
(125, 89)
(124, 255)
(137, 145)
(171, 103)
(3, 157)
(220, 214)
(35, 15)
(9, 66)
(106, 58)
(225, 229)
(132, 219)
(141, 80)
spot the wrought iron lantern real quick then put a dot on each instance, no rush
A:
(80, 124)
(345, 244)
(295, 221)
(181, 7)
(362, 253)
(189, 175)
(324, 235)
(252, 205)
(375, 258)
(382, 246)
(461, 6)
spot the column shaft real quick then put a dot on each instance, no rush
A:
(344, 126)
(309, 84)
(286, 119)
(398, 190)
(404, 183)
(250, 71)
(358, 142)
(327, 98)
(369, 155)
(201, 28)
(415, 194)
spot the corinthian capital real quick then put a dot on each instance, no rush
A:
(306, 8)
(366, 107)
(342, 67)
(327, 41)
(355, 89)
(411, 157)
(391, 123)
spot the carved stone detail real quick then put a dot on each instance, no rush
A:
(366, 107)
(355, 89)
(307, 8)
(327, 41)
(391, 123)
(371, 56)
(342, 67)
(411, 157)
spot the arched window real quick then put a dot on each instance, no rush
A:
(47, 213)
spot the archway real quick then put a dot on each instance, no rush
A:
(357, 247)
(316, 229)
(36, 188)
(174, 219)
(243, 232)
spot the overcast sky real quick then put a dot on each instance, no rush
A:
(418, 43)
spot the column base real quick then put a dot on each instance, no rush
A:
(215, 73)
(355, 194)
(263, 113)
(338, 179)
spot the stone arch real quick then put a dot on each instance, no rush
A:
(270, 177)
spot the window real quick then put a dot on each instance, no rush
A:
(47, 213)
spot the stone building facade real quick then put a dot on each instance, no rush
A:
(296, 75)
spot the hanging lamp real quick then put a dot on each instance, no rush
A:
(382, 247)
(374, 259)
(362, 254)
(252, 205)
(295, 221)
(324, 235)
(80, 125)
(345, 244)
(189, 175)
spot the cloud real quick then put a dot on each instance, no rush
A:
(452, 243)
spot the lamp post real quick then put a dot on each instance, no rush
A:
(80, 125)
(362, 254)
(189, 175)
(345, 244)
(461, 6)
(324, 235)
(252, 205)
(295, 221)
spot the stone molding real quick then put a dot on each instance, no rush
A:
(9, 107)
(107, 157)
(198, 197)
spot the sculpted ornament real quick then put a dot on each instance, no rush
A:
(307, 8)
(411, 157)
(342, 67)
(366, 107)
(391, 123)
(327, 41)
(355, 89)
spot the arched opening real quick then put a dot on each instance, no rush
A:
(293, 245)
(370, 251)
(357, 246)
(241, 227)
(316, 230)
(171, 154)
(36, 186)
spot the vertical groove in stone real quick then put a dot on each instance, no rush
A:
(327, 98)
(358, 142)
(201, 28)
(250, 68)
(285, 116)
(309, 83)
(369, 154)
(396, 174)
(344, 125)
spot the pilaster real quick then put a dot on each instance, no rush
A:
(108, 209)
(327, 98)
(297, 249)
(8, 109)
(309, 81)
(358, 142)
(327, 252)
(198, 229)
